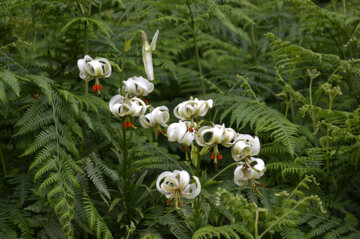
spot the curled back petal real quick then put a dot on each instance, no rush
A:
(138, 86)
(162, 176)
(90, 68)
(193, 190)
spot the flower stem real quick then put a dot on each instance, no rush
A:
(198, 161)
(196, 48)
(3, 161)
(256, 222)
(122, 70)
(223, 170)
(331, 99)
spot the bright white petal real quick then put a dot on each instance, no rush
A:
(194, 190)
(161, 176)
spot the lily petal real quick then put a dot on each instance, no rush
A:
(154, 40)
(159, 116)
(193, 191)
(90, 68)
(192, 108)
(147, 55)
(161, 176)
(138, 86)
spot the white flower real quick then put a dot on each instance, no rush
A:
(138, 86)
(179, 132)
(244, 172)
(147, 55)
(177, 184)
(159, 116)
(90, 68)
(209, 136)
(132, 107)
(192, 108)
(245, 146)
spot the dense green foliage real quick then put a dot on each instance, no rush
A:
(287, 71)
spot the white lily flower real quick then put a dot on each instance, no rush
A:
(138, 86)
(209, 136)
(245, 173)
(159, 116)
(147, 55)
(176, 184)
(180, 132)
(131, 107)
(90, 68)
(245, 146)
(192, 108)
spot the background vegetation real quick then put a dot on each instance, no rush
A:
(286, 71)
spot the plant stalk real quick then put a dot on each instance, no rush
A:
(256, 223)
(3, 160)
(202, 80)
(198, 161)
(122, 70)
(223, 170)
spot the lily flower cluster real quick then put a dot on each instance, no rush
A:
(243, 147)
(129, 103)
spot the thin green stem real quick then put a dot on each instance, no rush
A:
(223, 170)
(310, 90)
(253, 43)
(344, 6)
(256, 223)
(86, 87)
(3, 160)
(334, 5)
(125, 154)
(122, 70)
(287, 103)
(11, 59)
(198, 161)
(196, 48)
(331, 99)
(86, 39)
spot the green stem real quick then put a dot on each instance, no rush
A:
(253, 43)
(125, 155)
(198, 161)
(334, 5)
(256, 223)
(223, 170)
(196, 49)
(310, 90)
(344, 6)
(122, 71)
(86, 87)
(3, 160)
(331, 99)
(86, 38)
(287, 102)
